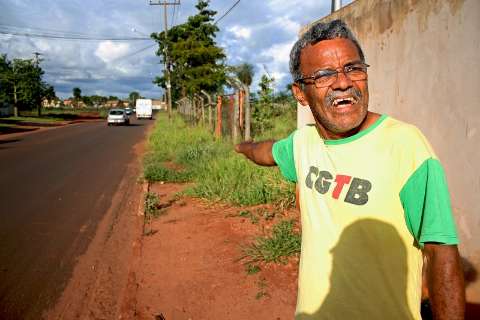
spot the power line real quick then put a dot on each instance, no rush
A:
(6, 27)
(66, 37)
(129, 55)
(228, 11)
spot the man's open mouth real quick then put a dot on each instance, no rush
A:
(343, 102)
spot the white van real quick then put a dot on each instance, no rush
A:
(143, 108)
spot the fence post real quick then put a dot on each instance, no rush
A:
(241, 95)
(218, 128)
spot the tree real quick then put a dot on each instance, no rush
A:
(264, 111)
(21, 83)
(245, 73)
(98, 100)
(195, 61)
(49, 93)
(77, 93)
(133, 96)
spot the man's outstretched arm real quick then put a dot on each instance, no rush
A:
(258, 152)
(445, 281)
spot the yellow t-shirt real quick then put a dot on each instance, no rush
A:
(368, 203)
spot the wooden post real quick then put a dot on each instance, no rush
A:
(233, 118)
(240, 105)
(248, 117)
(218, 128)
(203, 110)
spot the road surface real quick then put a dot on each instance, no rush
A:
(55, 186)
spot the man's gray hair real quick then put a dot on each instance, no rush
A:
(316, 33)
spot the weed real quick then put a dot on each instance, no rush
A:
(262, 285)
(252, 269)
(267, 215)
(283, 242)
(248, 214)
(151, 204)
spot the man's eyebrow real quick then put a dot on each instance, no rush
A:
(352, 62)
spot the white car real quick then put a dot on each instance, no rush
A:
(118, 116)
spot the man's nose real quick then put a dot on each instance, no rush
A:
(342, 82)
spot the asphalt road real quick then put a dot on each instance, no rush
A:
(55, 186)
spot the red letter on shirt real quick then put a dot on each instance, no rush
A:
(341, 180)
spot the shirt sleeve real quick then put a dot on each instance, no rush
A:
(426, 201)
(282, 152)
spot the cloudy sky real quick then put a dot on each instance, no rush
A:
(259, 32)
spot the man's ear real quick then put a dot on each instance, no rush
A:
(299, 94)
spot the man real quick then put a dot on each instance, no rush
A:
(372, 194)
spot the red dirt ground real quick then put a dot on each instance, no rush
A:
(190, 266)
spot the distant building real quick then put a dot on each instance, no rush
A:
(54, 103)
(68, 103)
(158, 104)
(111, 104)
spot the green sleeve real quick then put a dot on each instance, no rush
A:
(426, 202)
(283, 155)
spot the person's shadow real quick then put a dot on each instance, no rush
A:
(369, 275)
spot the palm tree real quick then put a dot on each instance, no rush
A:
(244, 73)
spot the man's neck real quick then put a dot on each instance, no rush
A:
(370, 119)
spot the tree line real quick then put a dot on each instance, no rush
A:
(21, 84)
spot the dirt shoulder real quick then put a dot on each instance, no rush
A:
(104, 277)
(190, 267)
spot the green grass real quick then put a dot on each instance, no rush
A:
(282, 243)
(218, 173)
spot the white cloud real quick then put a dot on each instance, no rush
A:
(109, 51)
(240, 32)
(287, 25)
(278, 53)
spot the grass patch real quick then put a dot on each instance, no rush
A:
(218, 173)
(284, 242)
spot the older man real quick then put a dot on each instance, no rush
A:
(372, 194)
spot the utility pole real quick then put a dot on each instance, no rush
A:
(165, 4)
(336, 4)
(36, 61)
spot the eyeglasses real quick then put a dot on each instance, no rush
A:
(326, 77)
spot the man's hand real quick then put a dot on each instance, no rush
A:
(445, 281)
(258, 152)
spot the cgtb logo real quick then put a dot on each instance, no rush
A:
(322, 180)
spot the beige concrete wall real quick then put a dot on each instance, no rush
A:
(425, 70)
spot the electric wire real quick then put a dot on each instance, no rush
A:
(227, 12)
(6, 27)
(129, 55)
(70, 37)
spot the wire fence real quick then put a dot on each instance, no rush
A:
(224, 115)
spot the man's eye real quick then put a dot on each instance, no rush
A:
(354, 68)
(325, 73)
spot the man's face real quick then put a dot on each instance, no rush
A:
(333, 118)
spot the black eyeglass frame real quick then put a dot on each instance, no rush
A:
(328, 72)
